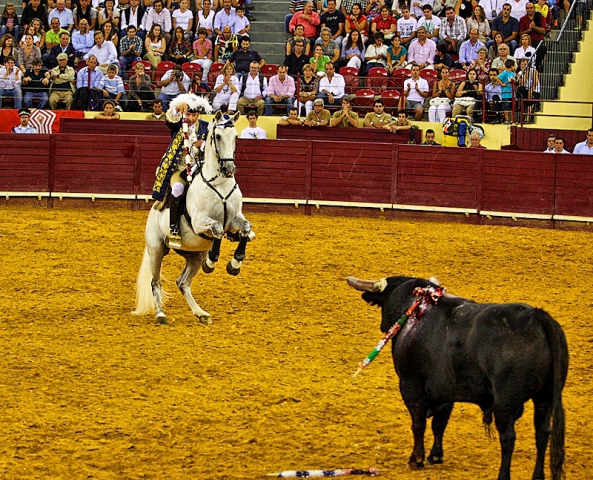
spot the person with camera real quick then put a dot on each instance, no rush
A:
(173, 82)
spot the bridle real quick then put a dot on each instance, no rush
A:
(221, 160)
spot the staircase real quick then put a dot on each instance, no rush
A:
(267, 31)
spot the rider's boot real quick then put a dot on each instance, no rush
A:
(174, 210)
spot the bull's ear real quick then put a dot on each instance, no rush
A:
(374, 298)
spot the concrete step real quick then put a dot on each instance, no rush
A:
(279, 6)
(270, 37)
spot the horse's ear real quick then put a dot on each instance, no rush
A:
(218, 115)
(236, 117)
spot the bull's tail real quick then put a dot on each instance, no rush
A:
(559, 350)
(145, 302)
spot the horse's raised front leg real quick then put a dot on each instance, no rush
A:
(243, 226)
(192, 267)
(211, 227)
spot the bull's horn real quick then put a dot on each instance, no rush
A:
(435, 281)
(367, 285)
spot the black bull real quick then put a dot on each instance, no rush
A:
(496, 356)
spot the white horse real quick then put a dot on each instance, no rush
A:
(214, 205)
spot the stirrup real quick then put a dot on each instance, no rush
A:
(174, 240)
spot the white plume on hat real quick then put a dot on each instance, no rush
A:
(193, 101)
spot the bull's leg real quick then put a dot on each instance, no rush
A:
(439, 424)
(209, 262)
(541, 419)
(243, 226)
(505, 424)
(192, 267)
(156, 260)
(413, 396)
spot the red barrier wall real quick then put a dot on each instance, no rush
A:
(25, 163)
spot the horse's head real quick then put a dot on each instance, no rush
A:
(223, 136)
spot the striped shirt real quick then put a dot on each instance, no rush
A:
(113, 85)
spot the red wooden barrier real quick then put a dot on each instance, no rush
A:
(574, 185)
(368, 135)
(113, 127)
(151, 151)
(24, 163)
(536, 139)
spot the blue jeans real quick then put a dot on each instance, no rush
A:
(269, 102)
(15, 33)
(29, 98)
(166, 98)
(337, 100)
(12, 93)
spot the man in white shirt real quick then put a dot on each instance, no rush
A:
(332, 87)
(406, 27)
(10, 82)
(82, 39)
(173, 82)
(518, 9)
(254, 90)
(559, 146)
(422, 51)
(415, 91)
(418, 7)
(160, 16)
(25, 126)
(133, 16)
(63, 14)
(492, 8)
(104, 50)
(586, 147)
(551, 139)
(253, 131)
(224, 17)
(430, 23)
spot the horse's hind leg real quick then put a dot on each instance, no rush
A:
(243, 226)
(192, 267)
(156, 260)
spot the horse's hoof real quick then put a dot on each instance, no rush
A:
(434, 460)
(231, 270)
(206, 319)
(206, 268)
(161, 320)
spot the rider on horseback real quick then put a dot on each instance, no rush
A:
(183, 156)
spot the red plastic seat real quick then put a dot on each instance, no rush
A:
(165, 65)
(457, 75)
(214, 72)
(431, 76)
(351, 78)
(391, 100)
(398, 78)
(377, 79)
(191, 69)
(363, 101)
(269, 70)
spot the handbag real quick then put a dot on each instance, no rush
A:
(465, 101)
(439, 101)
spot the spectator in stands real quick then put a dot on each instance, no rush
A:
(224, 17)
(429, 138)
(503, 55)
(61, 83)
(377, 118)
(203, 52)
(386, 24)
(422, 51)
(159, 16)
(253, 131)
(534, 25)
(308, 19)
(89, 76)
(528, 87)
(298, 34)
(63, 14)
(508, 27)
(525, 50)
(400, 124)
(32, 10)
(442, 58)
(109, 112)
(50, 59)
(319, 116)
(140, 93)
(376, 54)
(519, 8)
(184, 18)
(34, 86)
(492, 8)
(28, 53)
(110, 14)
(334, 19)
(308, 89)
(431, 23)
(281, 91)
(292, 118)
(330, 48)
(493, 49)
(475, 140)
(113, 88)
(468, 93)
(24, 126)
(82, 39)
(130, 49)
(357, 21)
(479, 21)
(318, 61)
(406, 27)
(110, 33)
(157, 111)
(241, 24)
(580, 9)
(52, 36)
(453, 31)
(227, 89)
(346, 6)
(243, 58)
(180, 49)
(443, 93)
(254, 89)
(225, 45)
(295, 6)
(155, 46)
(468, 52)
(9, 22)
(134, 15)
(481, 64)
(173, 82)
(36, 29)
(507, 79)
(551, 139)
(396, 55)
(559, 146)
(493, 92)
(373, 9)
(205, 18)
(104, 50)
(297, 59)
(415, 91)
(346, 117)
(85, 11)
(10, 82)
(586, 147)
(353, 52)
(332, 87)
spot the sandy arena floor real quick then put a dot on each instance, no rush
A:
(90, 391)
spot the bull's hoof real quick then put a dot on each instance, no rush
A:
(434, 460)
(206, 268)
(415, 464)
(206, 319)
(232, 270)
(161, 319)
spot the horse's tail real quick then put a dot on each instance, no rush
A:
(145, 302)
(559, 350)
